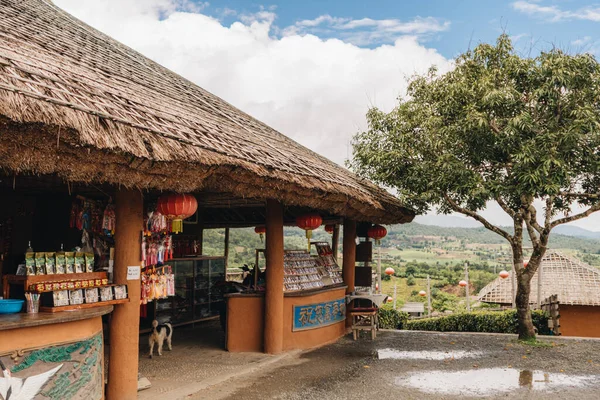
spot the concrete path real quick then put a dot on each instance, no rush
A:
(420, 365)
(398, 365)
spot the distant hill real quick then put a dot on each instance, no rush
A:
(558, 240)
(569, 230)
(447, 221)
(453, 221)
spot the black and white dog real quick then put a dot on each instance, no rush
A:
(158, 336)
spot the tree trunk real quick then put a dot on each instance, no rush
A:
(525, 327)
(525, 323)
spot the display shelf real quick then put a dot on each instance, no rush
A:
(83, 306)
(301, 271)
(328, 263)
(190, 273)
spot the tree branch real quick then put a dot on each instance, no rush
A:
(532, 218)
(549, 209)
(581, 195)
(532, 234)
(576, 217)
(477, 217)
(505, 207)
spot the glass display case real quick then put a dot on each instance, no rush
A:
(196, 297)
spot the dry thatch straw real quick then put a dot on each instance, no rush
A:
(76, 103)
(575, 283)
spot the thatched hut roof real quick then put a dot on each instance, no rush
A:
(80, 105)
(574, 282)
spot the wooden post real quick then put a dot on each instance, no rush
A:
(539, 286)
(428, 296)
(349, 261)
(226, 249)
(379, 282)
(467, 297)
(274, 286)
(201, 241)
(335, 239)
(366, 263)
(125, 321)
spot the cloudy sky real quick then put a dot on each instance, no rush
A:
(312, 68)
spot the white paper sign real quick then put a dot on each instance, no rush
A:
(133, 273)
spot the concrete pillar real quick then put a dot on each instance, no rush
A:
(125, 321)
(273, 343)
(349, 252)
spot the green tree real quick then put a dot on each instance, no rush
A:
(523, 132)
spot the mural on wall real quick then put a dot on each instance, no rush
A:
(71, 371)
(318, 315)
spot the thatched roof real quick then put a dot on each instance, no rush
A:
(80, 105)
(573, 281)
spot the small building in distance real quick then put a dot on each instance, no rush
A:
(415, 309)
(576, 284)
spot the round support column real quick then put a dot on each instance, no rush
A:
(273, 339)
(349, 259)
(125, 321)
(349, 254)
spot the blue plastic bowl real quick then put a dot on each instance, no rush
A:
(10, 306)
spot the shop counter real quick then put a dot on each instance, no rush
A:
(310, 318)
(65, 349)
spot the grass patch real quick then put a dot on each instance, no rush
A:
(533, 342)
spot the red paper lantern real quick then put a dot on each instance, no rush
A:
(389, 271)
(504, 274)
(308, 222)
(329, 228)
(462, 283)
(422, 293)
(377, 232)
(261, 230)
(390, 300)
(525, 264)
(176, 208)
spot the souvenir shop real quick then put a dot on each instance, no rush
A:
(94, 140)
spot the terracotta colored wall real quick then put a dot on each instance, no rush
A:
(46, 335)
(311, 337)
(579, 321)
(245, 323)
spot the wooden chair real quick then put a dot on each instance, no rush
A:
(364, 318)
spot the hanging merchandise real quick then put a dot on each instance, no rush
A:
(156, 249)
(157, 283)
(156, 223)
(109, 220)
(176, 208)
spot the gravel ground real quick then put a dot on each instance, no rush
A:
(463, 366)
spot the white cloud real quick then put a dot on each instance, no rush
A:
(516, 38)
(582, 41)
(366, 31)
(556, 14)
(312, 90)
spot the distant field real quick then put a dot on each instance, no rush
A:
(441, 256)
(403, 290)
